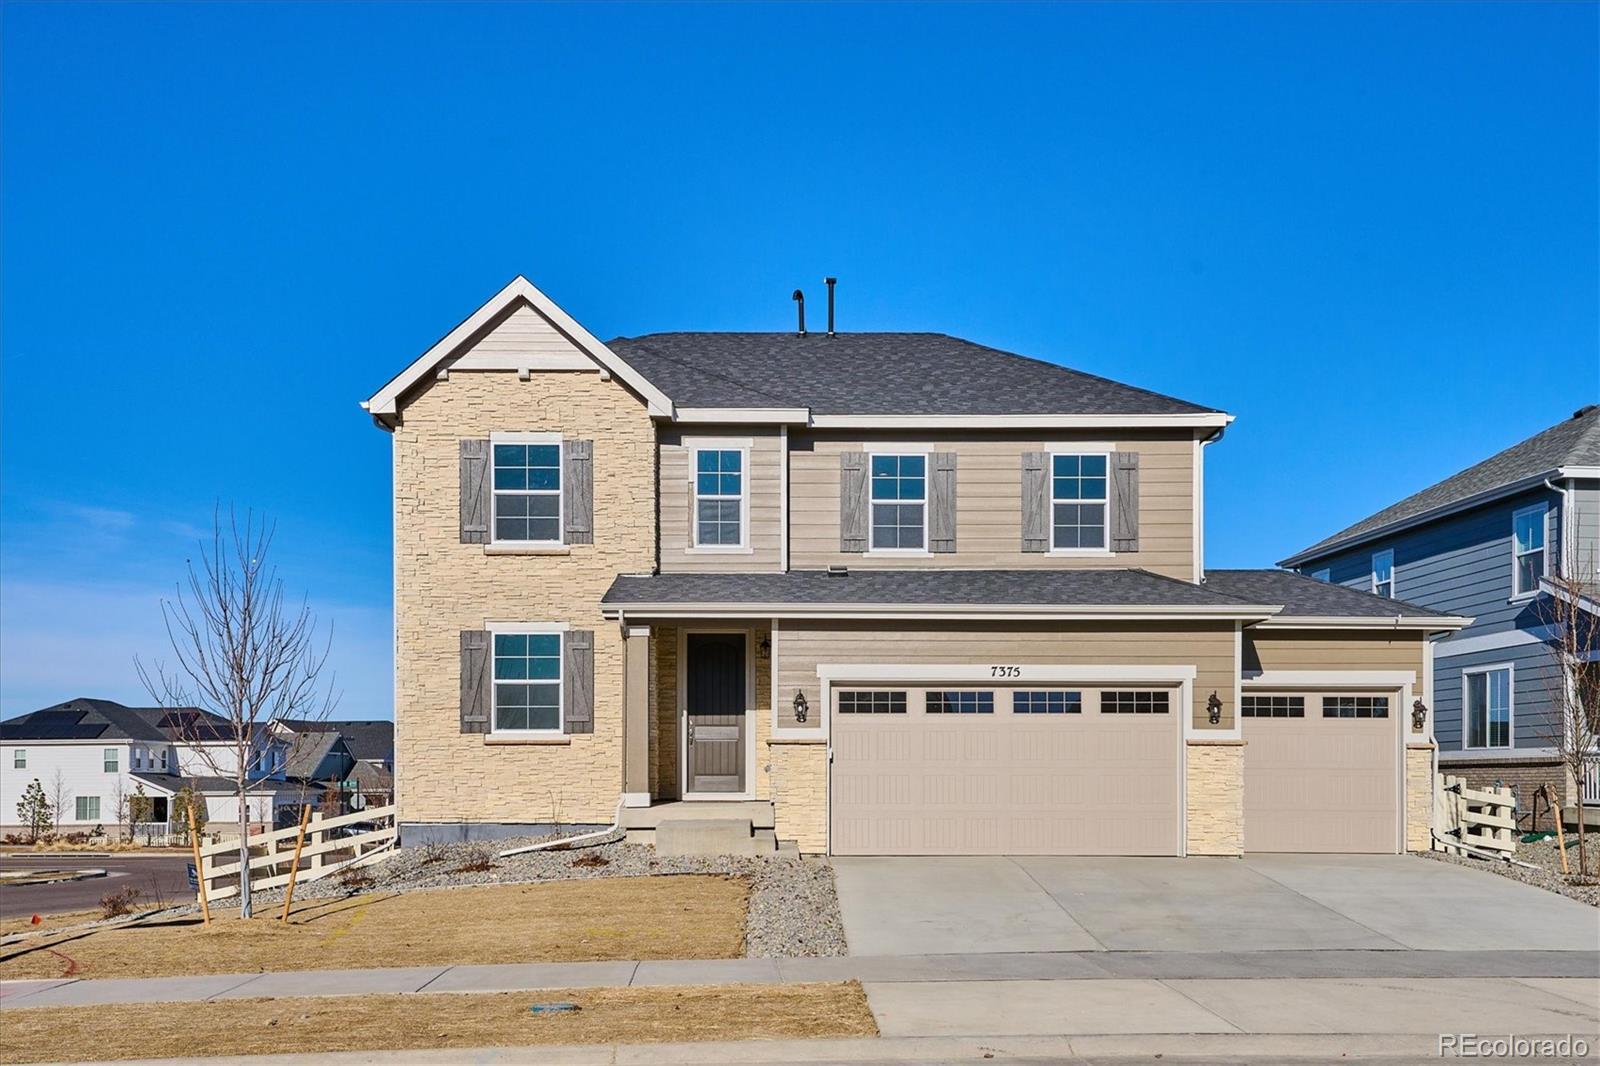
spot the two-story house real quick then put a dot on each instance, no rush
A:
(1483, 543)
(93, 756)
(886, 593)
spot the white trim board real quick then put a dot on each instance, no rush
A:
(1514, 638)
(964, 612)
(1329, 678)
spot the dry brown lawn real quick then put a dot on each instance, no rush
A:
(313, 1025)
(23, 923)
(680, 917)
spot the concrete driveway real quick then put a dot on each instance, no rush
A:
(931, 906)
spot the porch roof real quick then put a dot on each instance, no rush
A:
(1048, 593)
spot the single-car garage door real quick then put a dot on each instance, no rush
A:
(1028, 771)
(1321, 771)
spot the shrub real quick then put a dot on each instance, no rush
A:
(430, 853)
(355, 879)
(476, 857)
(118, 903)
(591, 860)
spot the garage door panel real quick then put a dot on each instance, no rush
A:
(1003, 783)
(1319, 784)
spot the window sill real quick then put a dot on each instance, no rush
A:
(1080, 552)
(719, 550)
(1524, 597)
(904, 553)
(526, 549)
(547, 739)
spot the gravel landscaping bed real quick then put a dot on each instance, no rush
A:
(794, 911)
(1547, 857)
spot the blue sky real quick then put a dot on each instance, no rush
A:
(1368, 231)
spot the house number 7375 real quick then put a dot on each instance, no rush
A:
(1005, 671)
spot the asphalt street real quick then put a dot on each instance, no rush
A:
(163, 875)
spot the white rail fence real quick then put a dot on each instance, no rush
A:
(1481, 818)
(1591, 783)
(366, 836)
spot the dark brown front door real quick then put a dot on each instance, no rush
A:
(715, 728)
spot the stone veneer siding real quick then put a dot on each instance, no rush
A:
(443, 586)
(1419, 797)
(1214, 806)
(799, 784)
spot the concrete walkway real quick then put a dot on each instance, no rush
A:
(1083, 969)
(923, 906)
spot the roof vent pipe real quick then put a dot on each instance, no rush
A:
(830, 283)
(800, 303)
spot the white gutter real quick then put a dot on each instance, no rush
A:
(956, 611)
(1429, 622)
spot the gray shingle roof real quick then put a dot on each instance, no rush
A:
(1573, 442)
(366, 738)
(1307, 597)
(85, 718)
(875, 373)
(977, 588)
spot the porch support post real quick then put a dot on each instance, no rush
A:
(636, 717)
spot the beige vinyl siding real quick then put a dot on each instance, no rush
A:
(521, 331)
(799, 646)
(765, 489)
(1311, 649)
(989, 499)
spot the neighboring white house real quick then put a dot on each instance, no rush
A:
(91, 756)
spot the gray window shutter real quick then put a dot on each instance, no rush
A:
(579, 502)
(476, 688)
(852, 501)
(942, 503)
(577, 648)
(1124, 501)
(475, 491)
(1035, 502)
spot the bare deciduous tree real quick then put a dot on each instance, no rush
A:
(119, 808)
(243, 654)
(1572, 611)
(59, 794)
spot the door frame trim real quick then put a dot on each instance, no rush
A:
(749, 791)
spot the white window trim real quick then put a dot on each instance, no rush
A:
(1543, 551)
(1050, 474)
(1511, 708)
(77, 801)
(872, 547)
(520, 628)
(495, 540)
(1393, 584)
(113, 755)
(19, 758)
(743, 547)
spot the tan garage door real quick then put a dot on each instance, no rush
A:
(1321, 771)
(1031, 771)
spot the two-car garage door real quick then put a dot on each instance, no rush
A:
(1080, 770)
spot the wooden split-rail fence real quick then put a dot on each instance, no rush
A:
(330, 847)
(1481, 818)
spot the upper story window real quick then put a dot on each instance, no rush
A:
(527, 492)
(1383, 574)
(19, 759)
(1527, 550)
(138, 758)
(109, 760)
(527, 682)
(163, 758)
(1078, 501)
(899, 503)
(1487, 695)
(719, 484)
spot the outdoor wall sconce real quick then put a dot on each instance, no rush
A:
(1419, 715)
(1214, 709)
(765, 646)
(800, 706)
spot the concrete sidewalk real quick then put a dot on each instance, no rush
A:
(1085, 967)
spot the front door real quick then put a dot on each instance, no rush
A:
(715, 713)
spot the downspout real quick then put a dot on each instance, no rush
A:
(565, 842)
(1568, 562)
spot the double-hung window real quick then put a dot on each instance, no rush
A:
(527, 491)
(899, 502)
(1078, 502)
(1527, 550)
(1487, 696)
(19, 759)
(527, 682)
(109, 760)
(719, 483)
(1383, 574)
(87, 808)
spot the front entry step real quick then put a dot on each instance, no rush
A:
(713, 836)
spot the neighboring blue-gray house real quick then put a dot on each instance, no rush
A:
(1482, 543)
